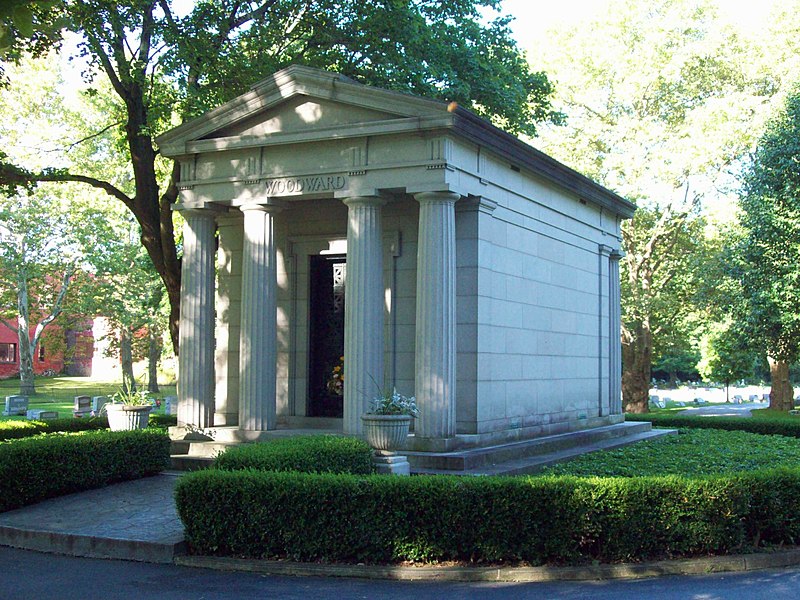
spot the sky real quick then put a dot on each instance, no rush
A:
(534, 17)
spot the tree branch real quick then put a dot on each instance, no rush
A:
(12, 175)
(94, 135)
(57, 305)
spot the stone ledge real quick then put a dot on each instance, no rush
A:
(689, 566)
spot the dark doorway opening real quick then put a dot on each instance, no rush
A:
(326, 335)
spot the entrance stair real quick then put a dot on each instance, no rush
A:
(513, 458)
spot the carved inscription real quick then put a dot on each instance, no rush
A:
(305, 185)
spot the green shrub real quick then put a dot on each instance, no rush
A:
(19, 428)
(164, 421)
(538, 520)
(36, 468)
(763, 425)
(307, 454)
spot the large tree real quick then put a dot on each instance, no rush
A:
(766, 261)
(661, 100)
(165, 67)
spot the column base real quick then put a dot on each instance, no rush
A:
(390, 463)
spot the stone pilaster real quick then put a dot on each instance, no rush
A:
(196, 357)
(258, 339)
(436, 316)
(615, 332)
(603, 329)
(363, 317)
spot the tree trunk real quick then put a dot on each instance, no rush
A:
(26, 376)
(781, 394)
(636, 356)
(153, 356)
(126, 359)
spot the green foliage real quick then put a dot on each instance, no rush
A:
(725, 356)
(306, 454)
(537, 520)
(766, 259)
(691, 452)
(15, 429)
(789, 427)
(37, 468)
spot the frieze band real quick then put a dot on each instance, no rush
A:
(305, 185)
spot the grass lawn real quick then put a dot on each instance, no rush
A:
(691, 452)
(58, 393)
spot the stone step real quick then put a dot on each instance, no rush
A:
(534, 464)
(475, 458)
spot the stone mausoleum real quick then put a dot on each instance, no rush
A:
(332, 224)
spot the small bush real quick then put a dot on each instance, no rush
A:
(306, 454)
(45, 466)
(762, 425)
(18, 428)
(538, 520)
(164, 421)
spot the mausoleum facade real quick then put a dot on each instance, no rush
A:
(334, 227)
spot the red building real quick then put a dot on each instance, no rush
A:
(67, 351)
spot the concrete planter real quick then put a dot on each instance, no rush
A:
(124, 417)
(386, 432)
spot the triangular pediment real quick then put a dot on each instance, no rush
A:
(301, 113)
(295, 100)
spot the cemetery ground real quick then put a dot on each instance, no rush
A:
(57, 393)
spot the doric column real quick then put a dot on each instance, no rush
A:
(363, 315)
(196, 357)
(258, 337)
(615, 332)
(436, 315)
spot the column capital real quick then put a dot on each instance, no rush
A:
(605, 250)
(199, 210)
(270, 206)
(364, 200)
(617, 254)
(437, 197)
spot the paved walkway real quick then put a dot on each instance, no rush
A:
(134, 520)
(137, 520)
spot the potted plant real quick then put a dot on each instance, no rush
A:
(129, 409)
(386, 425)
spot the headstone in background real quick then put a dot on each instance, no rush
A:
(82, 407)
(98, 402)
(39, 414)
(16, 405)
(171, 405)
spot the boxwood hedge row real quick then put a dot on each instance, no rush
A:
(18, 428)
(762, 425)
(36, 468)
(14, 429)
(306, 454)
(537, 520)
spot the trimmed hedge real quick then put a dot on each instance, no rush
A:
(41, 467)
(306, 454)
(762, 425)
(537, 520)
(15, 429)
(19, 428)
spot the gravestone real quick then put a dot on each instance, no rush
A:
(737, 399)
(700, 400)
(82, 407)
(39, 414)
(753, 398)
(171, 405)
(16, 405)
(98, 402)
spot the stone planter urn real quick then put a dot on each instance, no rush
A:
(386, 432)
(124, 417)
